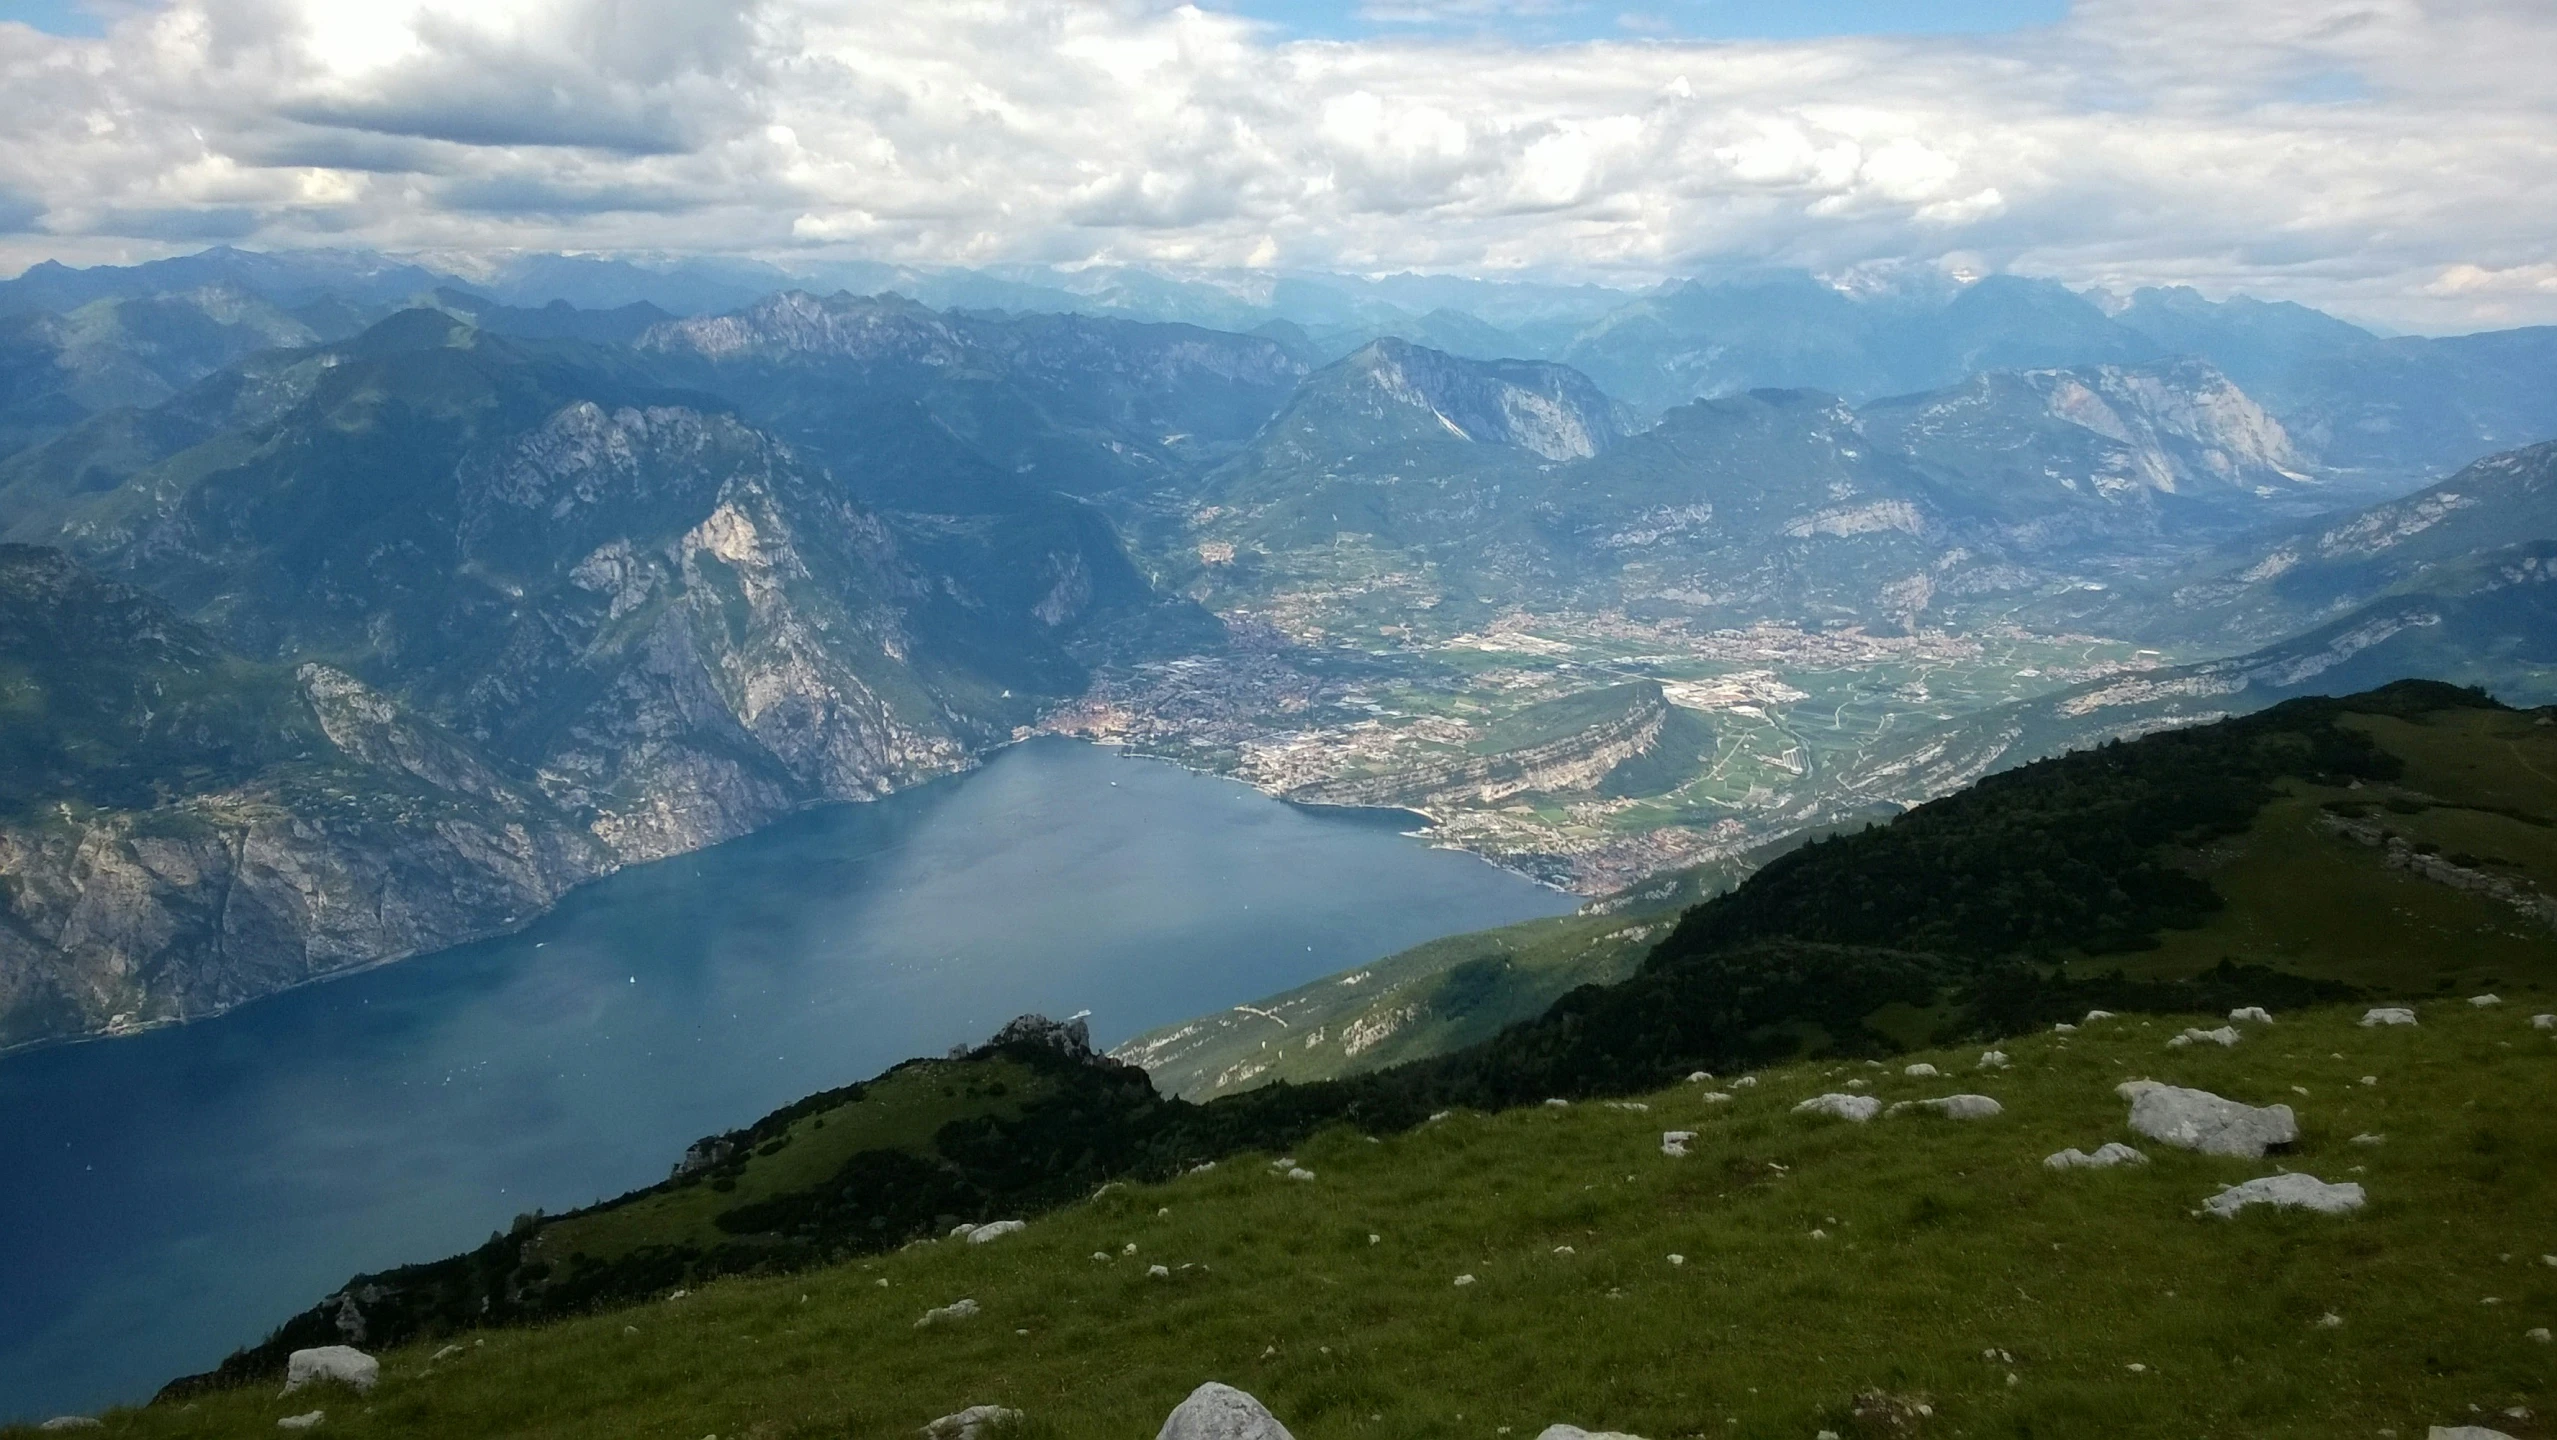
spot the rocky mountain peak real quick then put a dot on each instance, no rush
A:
(1549, 410)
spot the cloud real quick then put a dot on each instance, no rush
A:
(2367, 155)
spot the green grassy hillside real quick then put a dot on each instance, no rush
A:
(1935, 1262)
(1430, 999)
(2215, 849)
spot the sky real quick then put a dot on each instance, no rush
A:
(2391, 160)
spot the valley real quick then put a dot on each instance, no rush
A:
(1776, 713)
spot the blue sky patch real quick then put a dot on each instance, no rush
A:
(54, 17)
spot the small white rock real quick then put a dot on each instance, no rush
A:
(1922, 1070)
(2105, 1158)
(2482, 1001)
(2543, 1022)
(73, 1422)
(1677, 1259)
(2291, 1191)
(2224, 1036)
(1858, 1108)
(2388, 1015)
(2538, 1333)
(2367, 1138)
(1994, 1060)
(996, 1230)
(974, 1423)
(1673, 1143)
(2064, 1028)
(308, 1421)
(2464, 1432)
(2094, 1015)
(1221, 1412)
(942, 1315)
(1574, 1432)
(1558, 1104)
(1299, 1172)
(1716, 1097)
(332, 1364)
(1158, 1272)
(1464, 1280)
(2255, 1013)
(1744, 1082)
(2330, 1321)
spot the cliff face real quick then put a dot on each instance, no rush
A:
(121, 918)
(467, 623)
(184, 830)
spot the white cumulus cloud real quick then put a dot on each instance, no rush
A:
(2388, 158)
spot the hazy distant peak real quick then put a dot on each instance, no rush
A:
(794, 322)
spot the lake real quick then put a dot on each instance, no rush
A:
(174, 1195)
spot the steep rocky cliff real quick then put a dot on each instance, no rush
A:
(533, 614)
(182, 830)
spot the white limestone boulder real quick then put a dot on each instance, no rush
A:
(2254, 1013)
(2287, 1192)
(1673, 1143)
(1921, 1071)
(1994, 1060)
(1858, 1108)
(2211, 1124)
(1221, 1412)
(331, 1364)
(2485, 1001)
(977, 1422)
(2387, 1015)
(2106, 1156)
(2543, 1022)
(1574, 1432)
(995, 1230)
(2464, 1432)
(2224, 1036)
(73, 1422)
(309, 1421)
(955, 1311)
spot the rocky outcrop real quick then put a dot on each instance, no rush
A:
(405, 842)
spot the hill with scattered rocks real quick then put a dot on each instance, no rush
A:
(1732, 1253)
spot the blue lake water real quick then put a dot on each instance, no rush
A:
(166, 1198)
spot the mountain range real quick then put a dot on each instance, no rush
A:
(618, 583)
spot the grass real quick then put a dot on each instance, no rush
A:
(1427, 1000)
(899, 1111)
(2479, 786)
(1948, 1249)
